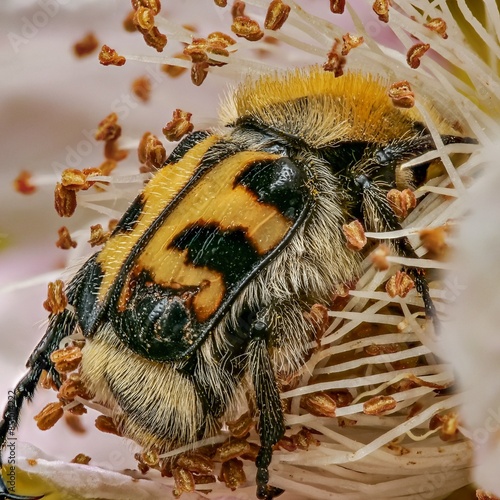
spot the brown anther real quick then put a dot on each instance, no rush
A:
(81, 459)
(232, 474)
(74, 179)
(485, 495)
(238, 9)
(78, 410)
(319, 404)
(434, 240)
(401, 94)
(355, 234)
(252, 453)
(318, 317)
(106, 424)
(48, 417)
(150, 458)
(97, 235)
(154, 5)
(179, 126)
(64, 201)
(232, 448)
(287, 443)
(247, 28)
(276, 15)
(335, 62)
(143, 468)
(23, 184)
(106, 167)
(199, 73)
(65, 242)
(112, 224)
(141, 87)
(172, 70)
(376, 349)
(415, 53)
(399, 285)
(342, 397)
(449, 426)
(108, 129)
(74, 423)
(402, 202)
(350, 42)
(438, 25)
(109, 57)
(303, 439)
(155, 39)
(184, 481)
(113, 152)
(128, 22)
(56, 298)
(47, 382)
(204, 479)
(86, 45)
(242, 426)
(66, 360)
(151, 151)
(220, 3)
(381, 8)
(378, 405)
(379, 257)
(144, 19)
(337, 6)
(196, 463)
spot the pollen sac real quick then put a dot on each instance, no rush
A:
(434, 240)
(232, 448)
(81, 459)
(179, 126)
(73, 387)
(154, 5)
(144, 19)
(415, 53)
(242, 426)
(108, 128)
(401, 94)
(56, 298)
(151, 151)
(277, 14)
(184, 481)
(86, 45)
(337, 6)
(172, 70)
(109, 57)
(303, 439)
(381, 8)
(199, 73)
(49, 416)
(319, 404)
(355, 234)
(245, 27)
(350, 42)
(399, 284)
(141, 87)
(402, 202)
(379, 405)
(65, 242)
(64, 201)
(379, 257)
(66, 360)
(238, 9)
(220, 3)
(23, 184)
(439, 26)
(155, 39)
(106, 424)
(195, 463)
(335, 61)
(97, 235)
(232, 474)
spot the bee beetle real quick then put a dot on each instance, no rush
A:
(199, 294)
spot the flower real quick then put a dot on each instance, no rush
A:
(398, 428)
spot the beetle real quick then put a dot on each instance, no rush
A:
(199, 293)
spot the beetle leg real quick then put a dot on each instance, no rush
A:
(271, 421)
(60, 326)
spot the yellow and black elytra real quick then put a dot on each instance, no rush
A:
(199, 293)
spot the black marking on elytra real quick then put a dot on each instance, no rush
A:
(131, 217)
(226, 251)
(276, 182)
